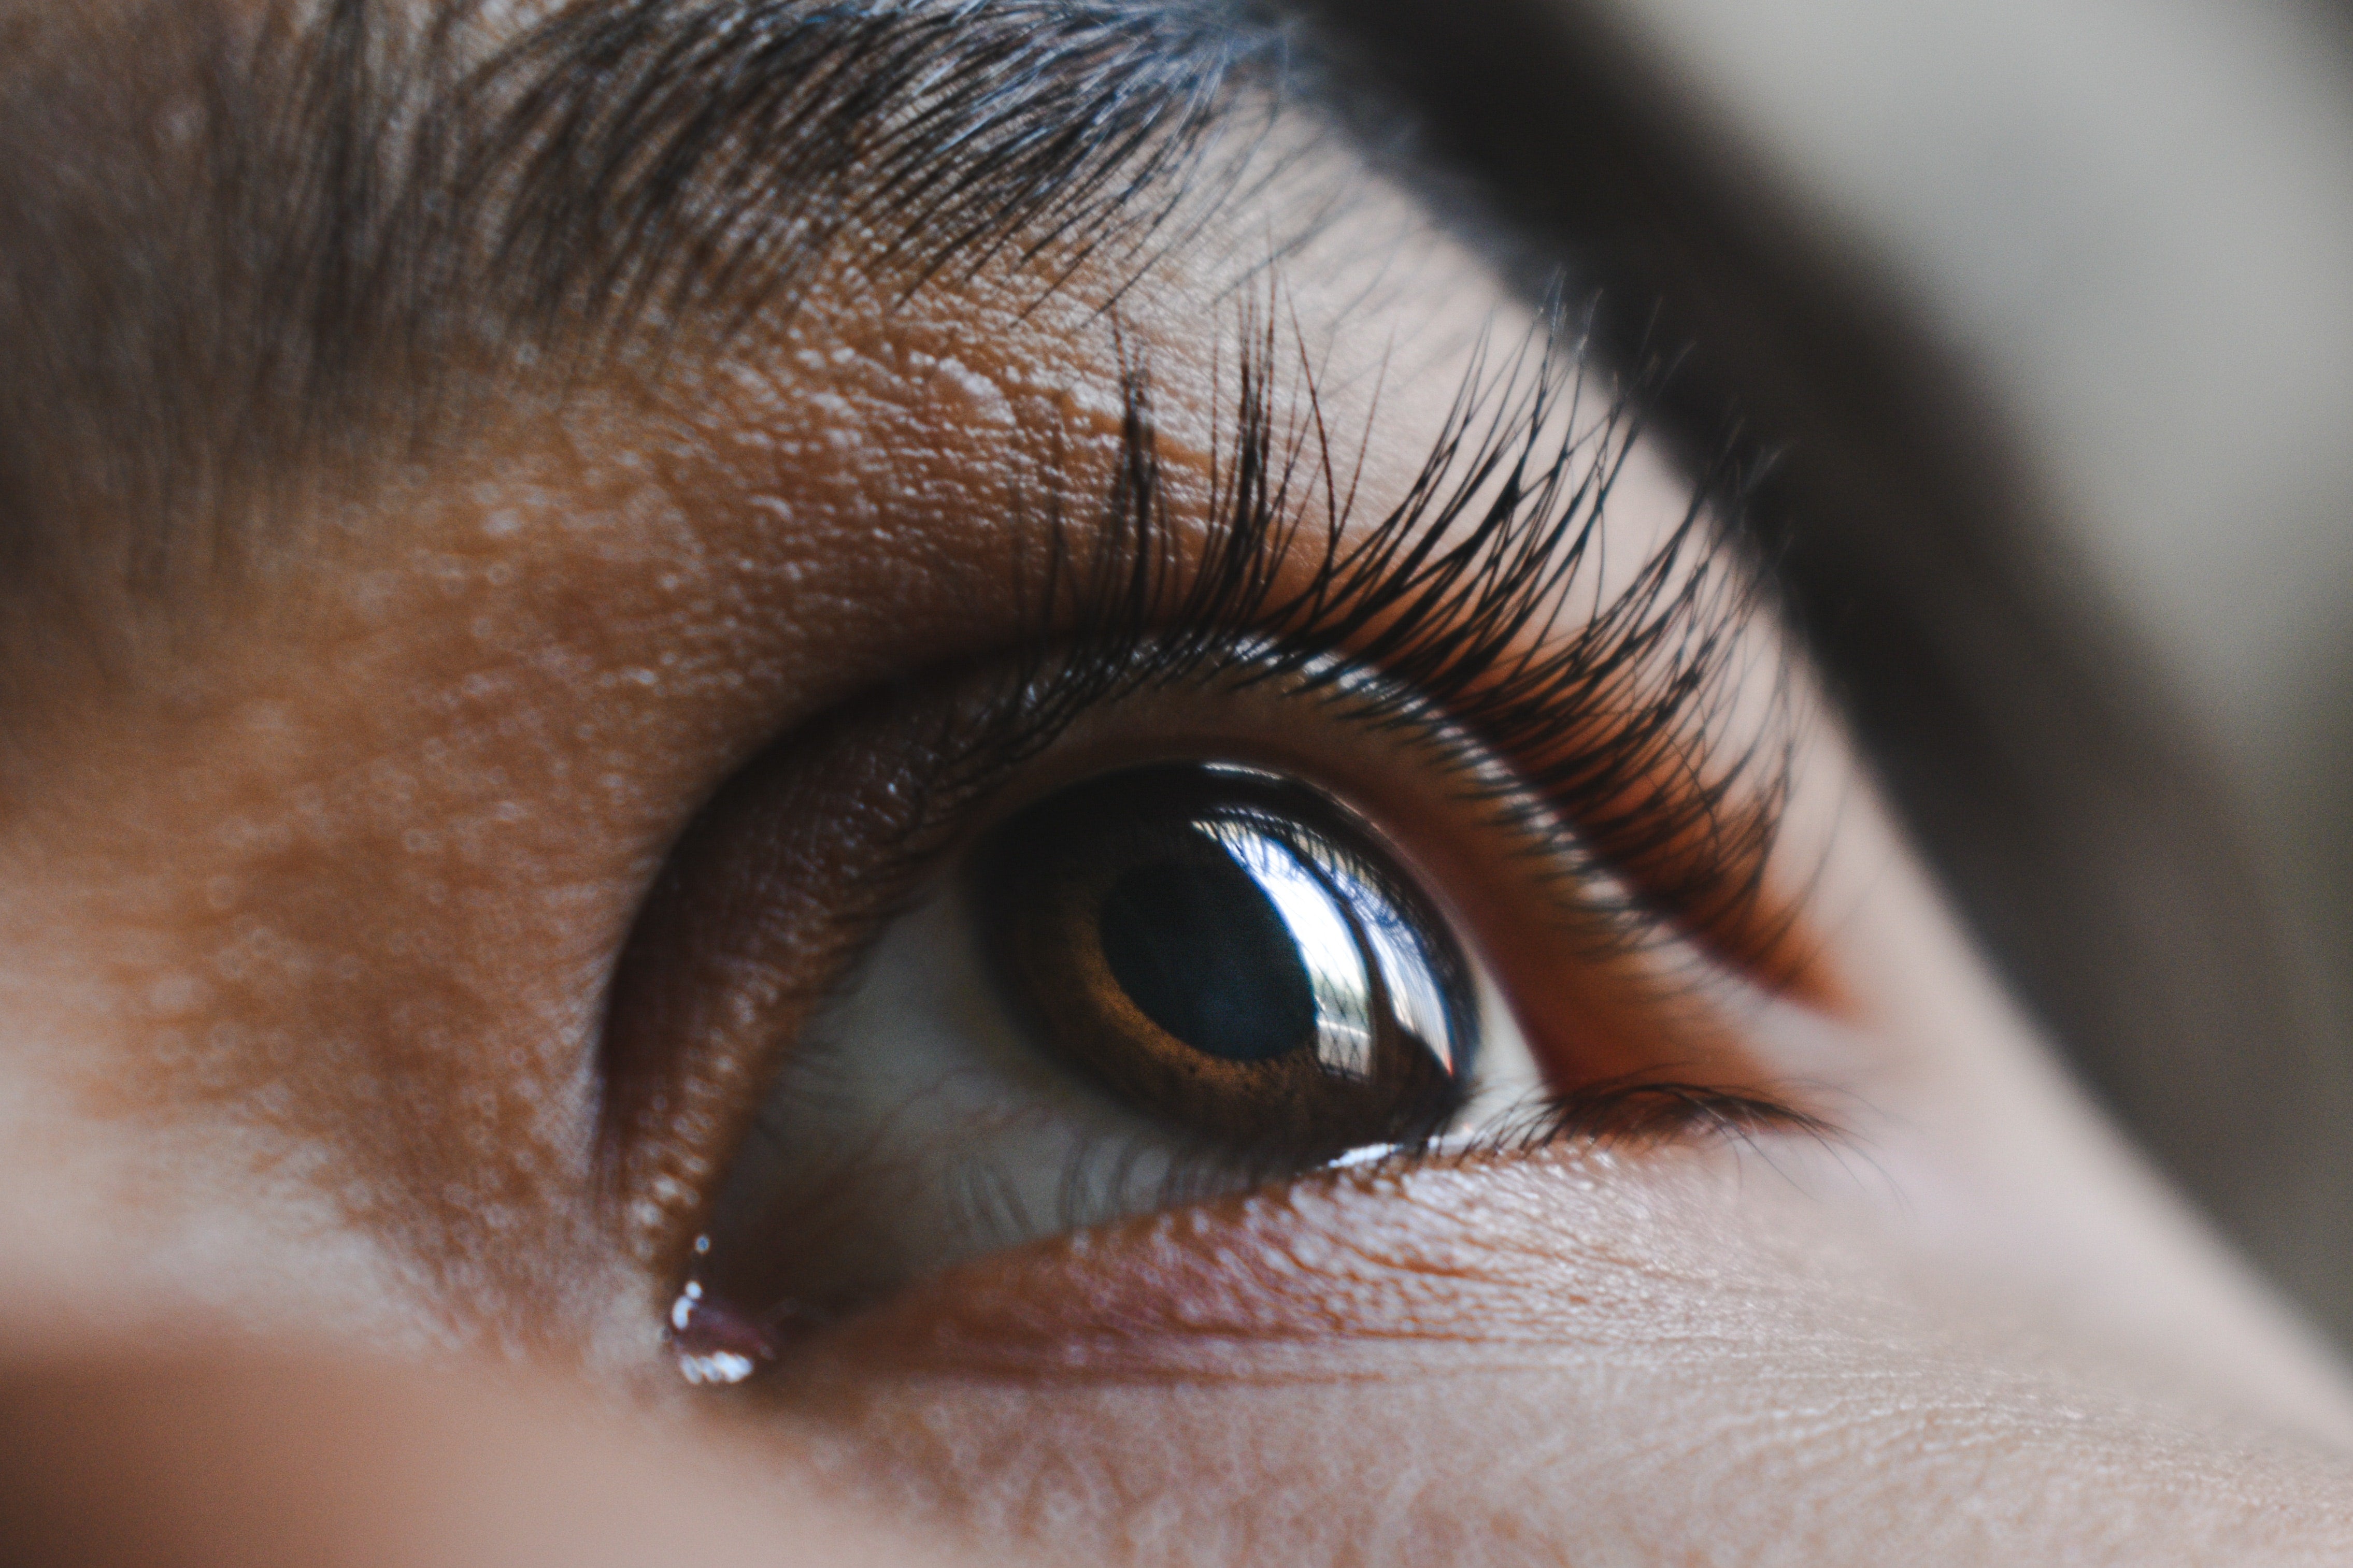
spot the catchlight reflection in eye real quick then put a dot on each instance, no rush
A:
(1158, 985)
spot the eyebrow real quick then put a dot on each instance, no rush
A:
(238, 246)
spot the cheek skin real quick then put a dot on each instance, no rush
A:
(1662, 1356)
(195, 1457)
(311, 911)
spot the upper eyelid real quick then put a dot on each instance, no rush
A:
(1457, 598)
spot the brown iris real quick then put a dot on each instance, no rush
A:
(1227, 952)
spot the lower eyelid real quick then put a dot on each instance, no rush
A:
(1460, 1257)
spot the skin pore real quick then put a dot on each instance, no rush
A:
(323, 842)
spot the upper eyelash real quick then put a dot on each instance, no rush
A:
(1116, 609)
(1609, 723)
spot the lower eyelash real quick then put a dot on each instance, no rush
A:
(1638, 1112)
(1628, 1114)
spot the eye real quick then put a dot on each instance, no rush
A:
(1442, 830)
(1155, 985)
(1224, 952)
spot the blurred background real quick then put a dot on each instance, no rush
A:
(2131, 223)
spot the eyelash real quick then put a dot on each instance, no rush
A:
(1407, 626)
(1611, 730)
(1404, 631)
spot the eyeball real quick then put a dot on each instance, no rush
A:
(1227, 952)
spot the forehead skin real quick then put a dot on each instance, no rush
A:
(316, 852)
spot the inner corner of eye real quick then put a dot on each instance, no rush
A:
(1162, 983)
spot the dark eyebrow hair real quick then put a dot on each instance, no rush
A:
(239, 245)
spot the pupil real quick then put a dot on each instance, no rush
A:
(1202, 951)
